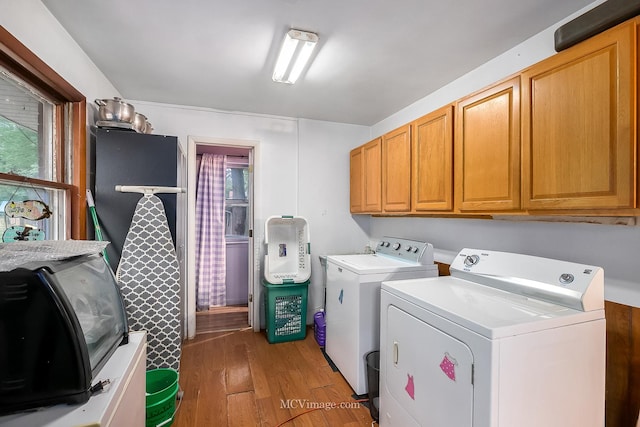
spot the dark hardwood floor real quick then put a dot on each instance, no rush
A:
(219, 319)
(237, 378)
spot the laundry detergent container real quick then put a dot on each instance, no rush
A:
(288, 250)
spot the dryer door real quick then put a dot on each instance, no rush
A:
(428, 373)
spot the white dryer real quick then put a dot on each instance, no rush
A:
(353, 300)
(507, 340)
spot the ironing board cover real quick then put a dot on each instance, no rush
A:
(149, 277)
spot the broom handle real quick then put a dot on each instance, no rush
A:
(96, 223)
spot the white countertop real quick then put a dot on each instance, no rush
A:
(95, 411)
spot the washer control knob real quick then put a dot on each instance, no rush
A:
(408, 248)
(396, 246)
(566, 278)
(415, 250)
(471, 260)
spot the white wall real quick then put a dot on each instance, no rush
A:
(324, 195)
(32, 23)
(519, 57)
(302, 169)
(616, 248)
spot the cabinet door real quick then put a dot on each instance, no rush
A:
(356, 192)
(432, 161)
(578, 125)
(372, 155)
(396, 170)
(487, 149)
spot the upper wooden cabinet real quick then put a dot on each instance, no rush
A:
(432, 161)
(372, 154)
(356, 175)
(396, 170)
(487, 149)
(560, 138)
(366, 182)
(578, 123)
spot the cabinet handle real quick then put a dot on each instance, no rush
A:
(395, 353)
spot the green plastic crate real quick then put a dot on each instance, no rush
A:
(286, 311)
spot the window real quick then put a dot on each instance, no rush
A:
(42, 149)
(237, 197)
(26, 151)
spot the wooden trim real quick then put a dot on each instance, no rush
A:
(20, 60)
(79, 171)
(18, 179)
(623, 364)
(58, 143)
(443, 269)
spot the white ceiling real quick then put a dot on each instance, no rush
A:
(374, 57)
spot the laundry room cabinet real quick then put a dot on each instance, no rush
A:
(432, 161)
(396, 170)
(380, 174)
(487, 149)
(578, 121)
(356, 180)
(366, 177)
(557, 138)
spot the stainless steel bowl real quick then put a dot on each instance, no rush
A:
(115, 110)
(139, 123)
(148, 128)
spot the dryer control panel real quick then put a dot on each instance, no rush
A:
(406, 249)
(569, 284)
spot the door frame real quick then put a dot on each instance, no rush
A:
(190, 292)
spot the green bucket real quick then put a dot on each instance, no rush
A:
(162, 387)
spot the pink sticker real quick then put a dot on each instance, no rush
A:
(410, 388)
(448, 366)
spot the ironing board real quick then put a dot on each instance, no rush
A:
(149, 276)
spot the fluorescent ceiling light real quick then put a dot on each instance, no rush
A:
(296, 49)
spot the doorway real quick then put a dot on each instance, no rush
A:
(228, 306)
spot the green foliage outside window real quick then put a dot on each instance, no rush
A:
(18, 155)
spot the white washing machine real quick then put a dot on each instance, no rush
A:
(507, 340)
(353, 300)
